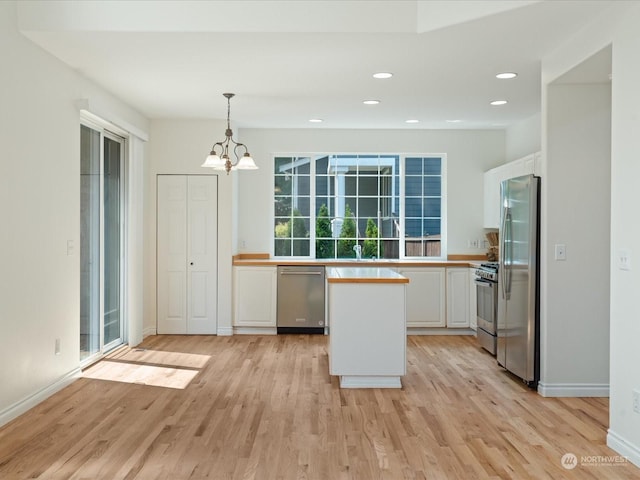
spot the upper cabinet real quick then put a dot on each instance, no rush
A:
(494, 177)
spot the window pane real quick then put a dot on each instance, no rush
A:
(322, 185)
(282, 185)
(432, 227)
(301, 248)
(413, 207)
(432, 186)
(413, 227)
(282, 247)
(89, 242)
(112, 244)
(280, 163)
(432, 166)
(412, 186)
(413, 166)
(368, 207)
(431, 207)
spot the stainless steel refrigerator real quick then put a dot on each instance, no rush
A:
(518, 329)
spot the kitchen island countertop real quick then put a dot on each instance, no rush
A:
(364, 274)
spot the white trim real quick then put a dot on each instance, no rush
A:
(224, 331)
(624, 448)
(89, 110)
(148, 331)
(254, 331)
(573, 389)
(31, 401)
(369, 381)
(440, 331)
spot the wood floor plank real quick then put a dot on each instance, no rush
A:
(265, 407)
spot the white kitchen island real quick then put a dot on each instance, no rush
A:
(367, 326)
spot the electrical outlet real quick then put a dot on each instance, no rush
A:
(636, 401)
(561, 251)
(624, 259)
(472, 243)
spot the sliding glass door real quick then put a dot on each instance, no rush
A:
(101, 241)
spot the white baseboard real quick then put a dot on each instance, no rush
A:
(439, 331)
(31, 401)
(225, 331)
(624, 448)
(255, 330)
(369, 381)
(149, 331)
(573, 389)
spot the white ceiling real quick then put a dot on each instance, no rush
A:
(290, 61)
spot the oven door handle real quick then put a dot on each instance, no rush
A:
(484, 283)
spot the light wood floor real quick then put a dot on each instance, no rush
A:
(264, 407)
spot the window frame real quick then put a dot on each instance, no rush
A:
(314, 156)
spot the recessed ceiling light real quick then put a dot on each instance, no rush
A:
(412, 120)
(506, 75)
(383, 75)
(454, 121)
(498, 102)
(371, 102)
(316, 120)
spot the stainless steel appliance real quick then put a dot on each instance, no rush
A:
(300, 305)
(486, 280)
(518, 345)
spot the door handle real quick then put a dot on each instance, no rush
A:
(300, 273)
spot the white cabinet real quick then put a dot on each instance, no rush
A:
(186, 254)
(425, 296)
(531, 164)
(473, 319)
(254, 291)
(367, 344)
(458, 297)
(491, 199)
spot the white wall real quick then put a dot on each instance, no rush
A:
(469, 154)
(40, 211)
(180, 147)
(624, 424)
(620, 29)
(577, 190)
(523, 138)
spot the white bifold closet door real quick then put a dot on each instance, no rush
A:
(187, 254)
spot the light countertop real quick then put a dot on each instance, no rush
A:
(366, 274)
(351, 263)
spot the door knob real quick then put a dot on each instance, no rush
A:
(191, 263)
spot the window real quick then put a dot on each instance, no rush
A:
(324, 205)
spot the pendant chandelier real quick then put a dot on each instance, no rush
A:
(220, 160)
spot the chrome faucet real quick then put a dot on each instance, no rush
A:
(358, 250)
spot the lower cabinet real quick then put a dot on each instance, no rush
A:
(458, 297)
(254, 292)
(425, 296)
(435, 297)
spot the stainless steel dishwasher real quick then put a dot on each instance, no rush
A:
(300, 305)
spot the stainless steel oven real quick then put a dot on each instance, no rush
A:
(487, 305)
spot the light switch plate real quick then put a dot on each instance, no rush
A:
(561, 251)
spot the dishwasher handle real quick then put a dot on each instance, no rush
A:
(290, 272)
